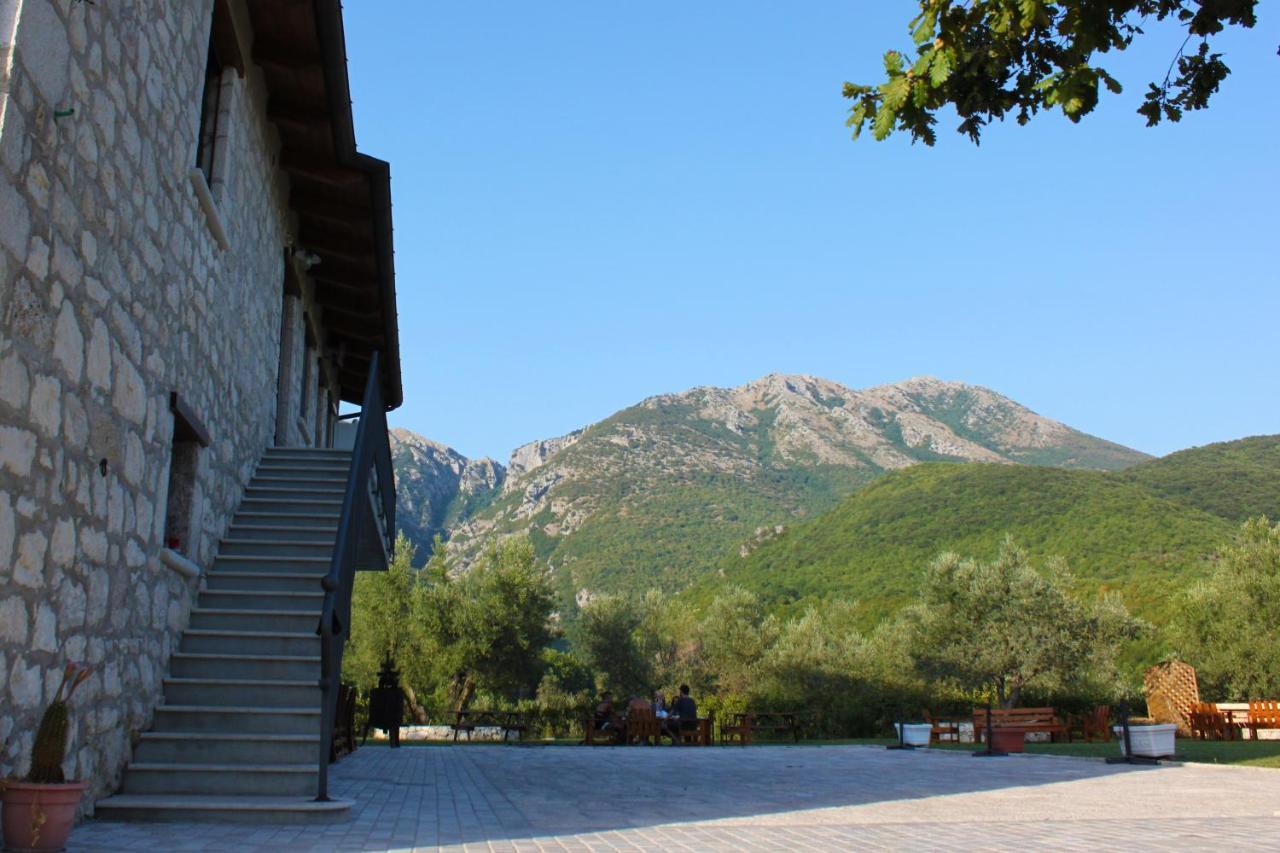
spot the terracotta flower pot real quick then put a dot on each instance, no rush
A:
(1008, 740)
(39, 817)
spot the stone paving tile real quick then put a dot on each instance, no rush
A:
(515, 799)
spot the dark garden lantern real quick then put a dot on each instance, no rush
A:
(386, 702)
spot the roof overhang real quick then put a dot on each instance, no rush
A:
(341, 198)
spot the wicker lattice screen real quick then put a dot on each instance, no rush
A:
(1171, 690)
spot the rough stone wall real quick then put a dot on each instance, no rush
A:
(113, 294)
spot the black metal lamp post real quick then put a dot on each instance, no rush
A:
(990, 750)
(386, 702)
(901, 725)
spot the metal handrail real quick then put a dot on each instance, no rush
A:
(368, 510)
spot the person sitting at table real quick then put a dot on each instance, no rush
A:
(637, 703)
(660, 706)
(606, 718)
(684, 716)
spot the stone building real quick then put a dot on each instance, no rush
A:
(195, 266)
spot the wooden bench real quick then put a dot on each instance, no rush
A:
(1020, 719)
(1263, 714)
(508, 721)
(744, 726)
(942, 730)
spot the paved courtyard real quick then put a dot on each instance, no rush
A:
(517, 798)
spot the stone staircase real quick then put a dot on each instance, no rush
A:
(237, 737)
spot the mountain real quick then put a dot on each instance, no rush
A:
(873, 547)
(655, 494)
(1232, 479)
(436, 487)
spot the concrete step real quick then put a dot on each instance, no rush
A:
(261, 532)
(315, 506)
(297, 602)
(289, 491)
(251, 666)
(188, 809)
(221, 779)
(229, 720)
(243, 692)
(319, 520)
(308, 452)
(279, 546)
(303, 472)
(249, 642)
(213, 748)
(322, 485)
(247, 563)
(283, 621)
(269, 581)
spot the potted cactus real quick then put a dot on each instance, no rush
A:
(40, 809)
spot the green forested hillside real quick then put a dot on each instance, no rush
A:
(873, 547)
(1232, 479)
(655, 494)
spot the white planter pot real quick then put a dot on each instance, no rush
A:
(914, 734)
(1151, 741)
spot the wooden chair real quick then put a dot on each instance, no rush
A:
(642, 725)
(1095, 723)
(1207, 722)
(1263, 714)
(948, 730)
(699, 733)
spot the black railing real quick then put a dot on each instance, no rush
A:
(365, 541)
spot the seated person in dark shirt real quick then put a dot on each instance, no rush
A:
(684, 715)
(606, 718)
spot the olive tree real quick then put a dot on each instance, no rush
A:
(1229, 627)
(1005, 626)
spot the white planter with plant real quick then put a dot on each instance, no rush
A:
(1153, 741)
(913, 734)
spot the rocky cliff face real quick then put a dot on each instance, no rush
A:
(436, 486)
(656, 493)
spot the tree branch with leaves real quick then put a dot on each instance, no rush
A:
(992, 58)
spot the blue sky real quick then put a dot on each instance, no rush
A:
(596, 202)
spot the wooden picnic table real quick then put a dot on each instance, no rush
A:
(647, 727)
(745, 725)
(508, 721)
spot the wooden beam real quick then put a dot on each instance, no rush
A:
(337, 268)
(328, 252)
(328, 211)
(348, 242)
(329, 280)
(283, 57)
(322, 169)
(351, 205)
(301, 116)
(354, 303)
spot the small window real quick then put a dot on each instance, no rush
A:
(210, 107)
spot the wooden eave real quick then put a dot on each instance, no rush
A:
(341, 198)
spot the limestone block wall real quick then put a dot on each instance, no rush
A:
(114, 293)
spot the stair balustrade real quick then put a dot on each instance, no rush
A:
(365, 541)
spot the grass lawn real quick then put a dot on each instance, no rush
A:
(1253, 753)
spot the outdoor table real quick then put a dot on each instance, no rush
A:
(469, 721)
(746, 724)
